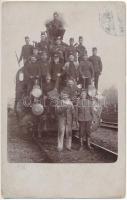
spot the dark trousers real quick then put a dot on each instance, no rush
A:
(84, 129)
(96, 79)
(85, 83)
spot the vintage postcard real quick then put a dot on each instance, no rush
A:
(63, 99)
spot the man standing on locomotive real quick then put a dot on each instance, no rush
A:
(45, 66)
(27, 50)
(43, 45)
(70, 48)
(97, 65)
(58, 47)
(71, 68)
(32, 72)
(55, 27)
(81, 49)
(65, 115)
(84, 116)
(86, 72)
(56, 71)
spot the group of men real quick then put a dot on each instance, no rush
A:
(72, 59)
(61, 66)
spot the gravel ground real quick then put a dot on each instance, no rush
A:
(107, 138)
(21, 148)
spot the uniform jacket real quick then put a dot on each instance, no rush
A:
(55, 69)
(84, 110)
(86, 69)
(32, 69)
(45, 68)
(97, 64)
(65, 113)
(60, 49)
(26, 52)
(81, 51)
(71, 70)
(70, 49)
(43, 46)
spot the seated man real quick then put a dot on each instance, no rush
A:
(86, 72)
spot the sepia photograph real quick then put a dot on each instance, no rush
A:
(63, 65)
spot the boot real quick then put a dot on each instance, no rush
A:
(81, 144)
(88, 144)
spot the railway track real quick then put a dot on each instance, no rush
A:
(97, 147)
(49, 152)
(110, 125)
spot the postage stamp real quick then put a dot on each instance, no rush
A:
(113, 21)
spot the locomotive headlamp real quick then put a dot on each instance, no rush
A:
(91, 91)
(36, 91)
(37, 109)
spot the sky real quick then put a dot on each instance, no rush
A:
(81, 18)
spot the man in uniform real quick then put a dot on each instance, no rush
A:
(43, 45)
(56, 71)
(45, 66)
(86, 72)
(81, 49)
(58, 48)
(65, 115)
(70, 48)
(55, 27)
(85, 118)
(71, 68)
(97, 65)
(27, 50)
(32, 72)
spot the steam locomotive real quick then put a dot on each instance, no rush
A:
(36, 112)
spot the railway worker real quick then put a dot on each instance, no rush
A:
(97, 65)
(86, 72)
(71, 68)
(56, 71)
(45, 66)
(65, 115)
(58, 47)
(84, 117)
(32, 72)
(26, 51)
(36, 53)
(72, 89)
(55, 27)
(71, 48)
(81, 49)
(47, 86)
(43, 45)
